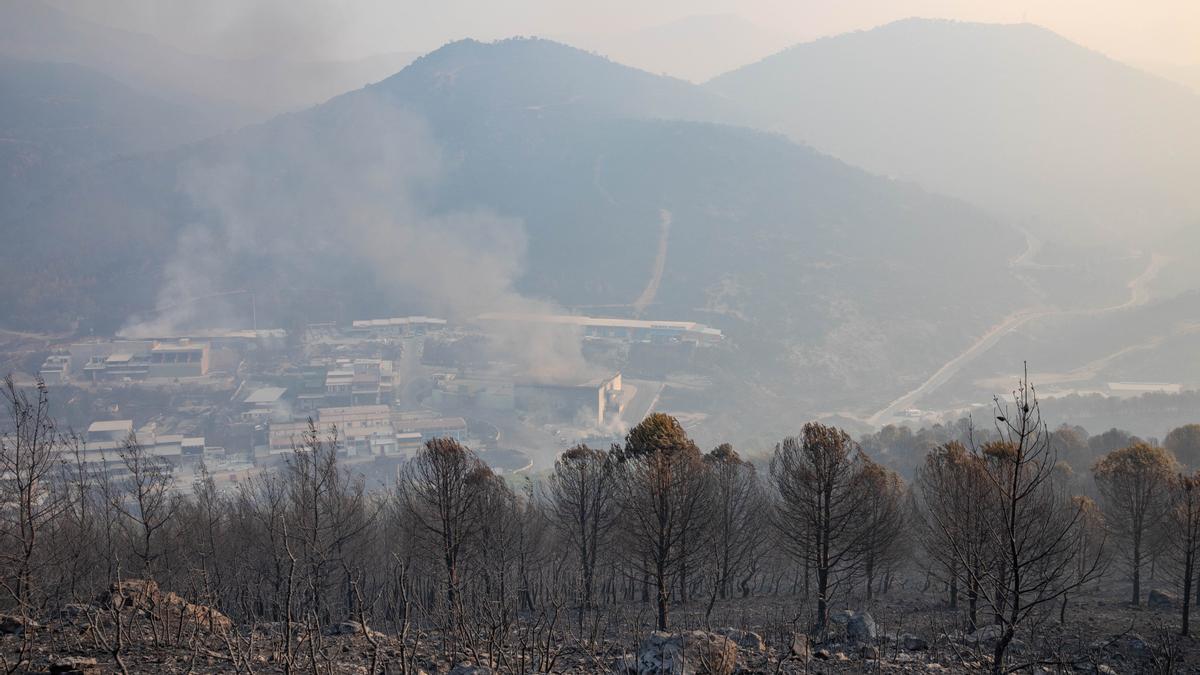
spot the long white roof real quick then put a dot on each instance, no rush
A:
(586, 321)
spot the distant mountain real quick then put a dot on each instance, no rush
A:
(1011, 117)
(1188, 76)
(242, 91)
(531, 78)
(526, 171)
(56, 118)
(694, 48)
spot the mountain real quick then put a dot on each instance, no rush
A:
(241, 90)
(1010, 117)
(527, 174)
(694, 48)
(56, 118)
(1187, 75)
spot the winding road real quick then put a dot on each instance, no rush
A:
(1139, 294)
(660, 263)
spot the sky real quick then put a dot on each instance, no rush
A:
(1141, 32)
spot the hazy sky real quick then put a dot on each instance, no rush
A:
(1150, 32)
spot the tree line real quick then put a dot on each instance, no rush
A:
(452, 552)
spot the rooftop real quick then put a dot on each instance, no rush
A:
(111, 425)
(266, 395)
(354, 410)
(397, 321)
(586, 321)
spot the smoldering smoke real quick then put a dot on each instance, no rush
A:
(342, 188)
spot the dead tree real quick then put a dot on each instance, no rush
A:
(1135, 485)
(1185, 537)
(29, 461)
(663, 492)
(885, 519)
(739, 508)
(327, 517)
(147, 500)
(820, 519)
(1035, 530)
(581, 504)
(438, 488)
(955, 509)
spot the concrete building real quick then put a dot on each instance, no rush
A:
(105, 441)
(109, 431)
(431, 427)
(454, 391)
(56, 369)
(361, 431)
(596, 401)
(178, 359)
(136, 360)
(401, 326)
(265, 404)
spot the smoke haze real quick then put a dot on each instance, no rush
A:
(352, 207)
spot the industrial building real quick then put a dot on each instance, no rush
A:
(106, 439)
(430, 427)
(133, 360)
(401, 326)
(263, 404)
(631, 330)
(599, 400)
(180, 359)
(360, 431)
(56, 369)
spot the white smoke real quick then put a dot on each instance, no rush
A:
(338, 193)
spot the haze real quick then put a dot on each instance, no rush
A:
(1157, 33)
(631, 337)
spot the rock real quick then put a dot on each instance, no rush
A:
(138, 593)
(625, 665)
(1162, 600)
(988, 635)
(75, 665)
(861, 627)
(841, 616)
(343, 628)
(145, 596)
(73, 610)
(744, 639)
(1133, 645)
(11, 624)
(822, 654)
(869, 652)
(800, 646)
(1105, 669)
(686, 653)
(913, 643)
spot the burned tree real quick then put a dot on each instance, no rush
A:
(29, 459)
(439, 489)
(819, 478)
(885, 519)
(147, 501)
(663, 492)
(739, 509)
(1184, 523)
(1135, 484)
(1034, 529)
(582, 506)
(956, 508)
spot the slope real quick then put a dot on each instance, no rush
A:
(1011, 117)
(526, 172)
